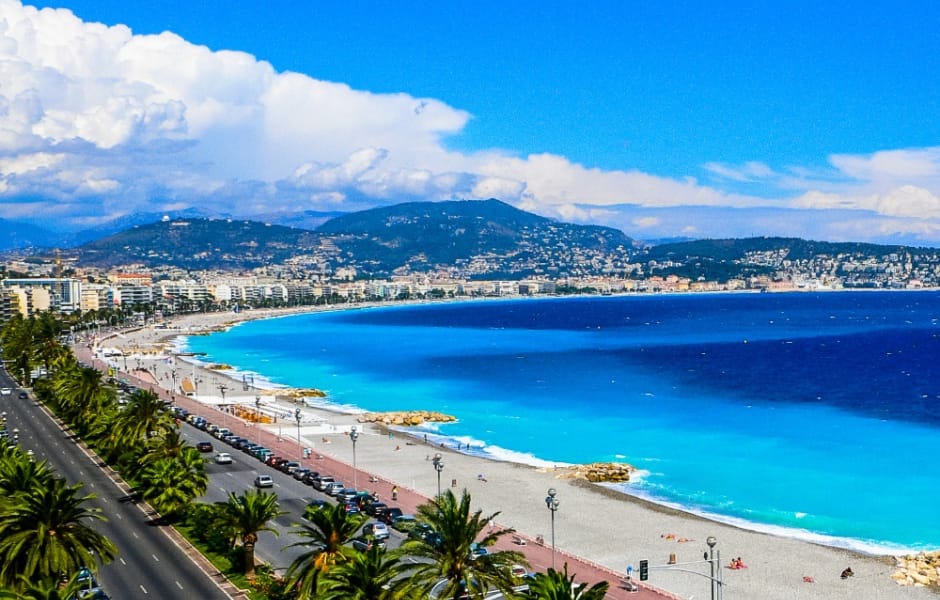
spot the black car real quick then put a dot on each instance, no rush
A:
(309, 477)
(375, 508)
(389, 514)
(204, 446)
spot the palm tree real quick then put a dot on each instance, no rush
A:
(449, 553)
(171, 484)
(371, 575)
(144, 415)
(331, 527)
(247, 516)
(555, 585)
(20, 474)
(44, 532)
(82, 395)
(48, 588)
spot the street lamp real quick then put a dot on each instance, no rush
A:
(354, 435)
(222, 389)
(299, 451)
(551, 502)
(713, 558)
(438, 463)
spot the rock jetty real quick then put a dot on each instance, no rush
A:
(922, 569)
(597, 472)
(406, 418)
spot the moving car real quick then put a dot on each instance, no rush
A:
(204, 446)
(263, 481)
(223, 458)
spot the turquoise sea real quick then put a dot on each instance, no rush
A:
(809, 415)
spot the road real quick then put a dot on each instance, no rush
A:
(149, 563)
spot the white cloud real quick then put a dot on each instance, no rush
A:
(97, 121)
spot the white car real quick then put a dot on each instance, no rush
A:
(263, 481)
(6, 392)
(223, 458)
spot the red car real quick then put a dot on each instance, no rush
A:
(204, 446)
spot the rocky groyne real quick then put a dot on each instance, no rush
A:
(922, 569)
(406, 418)
(597, 472)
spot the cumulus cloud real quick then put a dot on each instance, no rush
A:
(97, 122)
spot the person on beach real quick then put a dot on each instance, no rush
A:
(847, 573)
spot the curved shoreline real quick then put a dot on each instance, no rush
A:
(759, 547)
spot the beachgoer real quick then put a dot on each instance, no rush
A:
(397, 448)
(808, 579)
(847, 573)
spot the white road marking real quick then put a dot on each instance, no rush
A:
(178, 584)
(144, 590)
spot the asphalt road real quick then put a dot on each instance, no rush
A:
(293, 497)
(149, 564)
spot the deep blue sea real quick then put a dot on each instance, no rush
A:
(809, 415)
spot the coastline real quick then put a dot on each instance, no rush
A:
(640, 526)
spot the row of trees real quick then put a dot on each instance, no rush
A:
(142, 440)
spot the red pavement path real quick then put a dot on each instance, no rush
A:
(538, 555)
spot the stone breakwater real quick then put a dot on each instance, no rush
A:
(597, 472)
(406, 418)
(921, 569)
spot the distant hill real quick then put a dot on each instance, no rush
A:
(487, 236)
(198, 244)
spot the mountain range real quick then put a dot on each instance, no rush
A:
(470, 239)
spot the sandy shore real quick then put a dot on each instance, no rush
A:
(592, 522)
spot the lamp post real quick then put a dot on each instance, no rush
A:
(354, 435)
(299, 450)
(713, 556)
(438, 463)
(551, 502)
(222, 389)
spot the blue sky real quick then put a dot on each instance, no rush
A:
(663, 119)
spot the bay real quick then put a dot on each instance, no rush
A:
(813, 415)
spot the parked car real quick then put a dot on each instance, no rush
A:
(289, 466)
(263, 481)
(364, 543)
(404, 523)
(309, 477)
(476, 551)
(376, 529)
(223, 458)
(346, 495)
(299, 473)
(332, 488)
(390, 513)
(351, 508)
(321, 482)
(204, 446)
(375, 508)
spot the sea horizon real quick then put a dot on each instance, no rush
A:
(687, 388)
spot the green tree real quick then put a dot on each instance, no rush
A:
(45, 531)
(330, 528)
(81, 395)
(171, 484)
(47, 588)
(144, 416)
(248, 515)
(448, 553)
(556, 585)
(371, 575)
